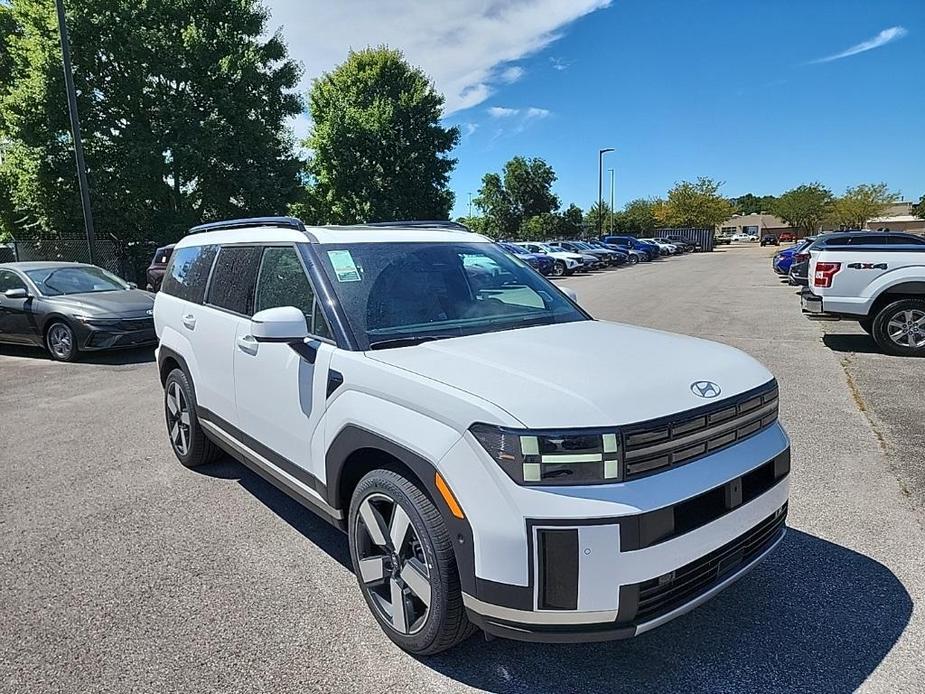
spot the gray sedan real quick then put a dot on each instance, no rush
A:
(70, 308)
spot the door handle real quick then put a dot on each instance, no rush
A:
(248, 344)
(189, 320)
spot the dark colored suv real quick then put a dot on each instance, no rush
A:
(155, 271)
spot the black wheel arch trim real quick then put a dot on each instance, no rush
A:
(353, 438)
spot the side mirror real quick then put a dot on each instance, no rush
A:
(18, 293)
(283, 324)
(132, 285)
(570, 293)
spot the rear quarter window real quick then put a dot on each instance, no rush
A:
(188, 272)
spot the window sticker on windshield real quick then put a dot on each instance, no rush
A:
(344, 267)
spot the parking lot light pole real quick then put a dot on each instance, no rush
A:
(610, 226)
(600, 186)
(75, 132)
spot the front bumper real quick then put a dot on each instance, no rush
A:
(592, 564)
(116, 334)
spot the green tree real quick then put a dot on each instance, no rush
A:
(523, 190)
(574, 216)
(861, 203)
(805, 207)
(920, 208)
(379, 150)
(599, 216)
(753, 204)
(183, 108)
(697, 204)
(546, 226)
(638, 217)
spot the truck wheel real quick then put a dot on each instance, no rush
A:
(899, 328)
(190, 444)
(404, 563)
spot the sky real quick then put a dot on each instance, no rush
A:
(763, 95)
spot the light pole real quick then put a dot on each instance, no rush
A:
(600, 186)
(611, 201)
(470, 205)
(75, 133)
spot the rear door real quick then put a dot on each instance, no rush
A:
(17, 323)
(280, 395)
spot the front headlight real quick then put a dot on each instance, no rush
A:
(549, 458)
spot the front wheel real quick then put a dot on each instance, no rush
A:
(558, 269)
(61, 342)
(404, 563)
(899, 328)
(633, 259)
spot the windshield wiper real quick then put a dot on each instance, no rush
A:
(402, 342)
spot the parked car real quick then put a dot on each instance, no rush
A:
(622, 254)
(666, 247)
(722, 239)
(564, 262)
(787, 237)
(603, 256)
(635, 255)
(740, 237)
(539, 262)
(155, 271)
(769, 240)
(477, 486)
(690, 244)
(70, 308)
(874, 278)
(799, 265)
(650, 250)
(782, 260)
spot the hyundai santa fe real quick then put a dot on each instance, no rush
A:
(401, 381)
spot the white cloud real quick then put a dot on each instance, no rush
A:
(470, 128)
(509, 75)
(559, 64)
(459, 43)
(534, 112)
(883, 38)
(502, 112)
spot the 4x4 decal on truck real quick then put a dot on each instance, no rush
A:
(867, 266)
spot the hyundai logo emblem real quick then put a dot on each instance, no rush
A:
(150, 312)
(705, 389)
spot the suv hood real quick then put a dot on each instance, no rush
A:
(541, 377)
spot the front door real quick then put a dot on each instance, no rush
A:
(17, 324)
(281, 395)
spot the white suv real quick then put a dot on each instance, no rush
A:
(405, 382)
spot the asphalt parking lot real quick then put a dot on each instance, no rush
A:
(121, 571)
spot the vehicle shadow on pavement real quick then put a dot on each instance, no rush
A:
(860, 344)
(311, 526)
(814, 616)
(121, 357)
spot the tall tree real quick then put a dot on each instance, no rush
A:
(378, 148)
(638, 217)
(599, 216)
(861, 203)
(919, 209)
(523, 190)
(183, 106)
(805, 207)
(753, 204)
(697, 204)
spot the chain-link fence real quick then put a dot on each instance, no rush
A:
(127, 259)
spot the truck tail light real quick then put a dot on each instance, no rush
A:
(824, 274)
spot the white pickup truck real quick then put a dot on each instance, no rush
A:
(879, 285)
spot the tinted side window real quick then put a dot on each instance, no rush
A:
(10, 280)
(188, 272)
(234, 279)
(283, 283)
(911, 240)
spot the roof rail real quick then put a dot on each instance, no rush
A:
(422, 223)
(285, 222)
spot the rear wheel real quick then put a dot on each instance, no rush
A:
(190, 444)
(404, 563)
(633, 259)
(558, 269)
(899, 328)
(61, 342)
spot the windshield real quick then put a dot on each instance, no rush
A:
(57, 281)
(396, 294)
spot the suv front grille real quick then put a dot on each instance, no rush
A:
(661, 595)
(653, 447)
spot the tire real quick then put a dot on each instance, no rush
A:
(899, 328)
(432, 618)
(633, 260)
(558, 269)
(61, 342)
(188, 441)
(867, 324)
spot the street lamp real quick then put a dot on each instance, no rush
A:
(470, 205)
(611, 201)
(600, 186)
(75, 133)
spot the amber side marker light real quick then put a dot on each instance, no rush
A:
(447, 495)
